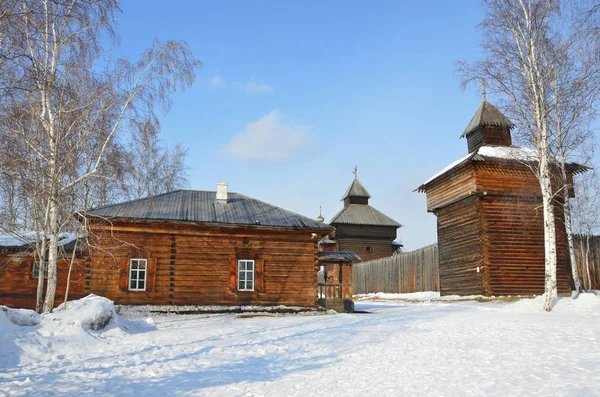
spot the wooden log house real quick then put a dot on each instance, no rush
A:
(489, 218)
(19, 273)
(203, 248)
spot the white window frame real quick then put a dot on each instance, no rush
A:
(245, 272)
(137, 274)
(33, 272)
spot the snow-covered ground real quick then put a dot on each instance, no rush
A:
(415, 348)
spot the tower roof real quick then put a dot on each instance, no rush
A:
(487, 114)
(356, 214)
(356, 189)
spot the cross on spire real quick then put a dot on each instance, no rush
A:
(355, 172)
(483, 94)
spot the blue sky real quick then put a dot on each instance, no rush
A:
(293, 95)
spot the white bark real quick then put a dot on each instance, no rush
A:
(569, 230)
(73, 254)
(587, 262)
(67, 112)
(52, 259)
(550, 284)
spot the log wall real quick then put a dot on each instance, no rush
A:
(356, 238)
(197, 265)
(513, 180)
(451, 187)
(514, 256)
(488, 135)
(18, 286)
(460, 248)
(379, 248)
(492, 242)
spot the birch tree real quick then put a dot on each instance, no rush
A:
(78, 105)
(151, 168)
(525, 54)
(575, 83)
(586, 217)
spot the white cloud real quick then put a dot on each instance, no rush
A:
(269, 138)
(253, 87)
(215, 82)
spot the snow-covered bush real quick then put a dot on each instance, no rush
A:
(22, 317)
(91, 313)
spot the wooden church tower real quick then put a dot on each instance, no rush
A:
(489, 218)
(362, 229)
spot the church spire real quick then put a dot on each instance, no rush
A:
(483, 94)
(356, 193)
(488, 126)
(320, 218)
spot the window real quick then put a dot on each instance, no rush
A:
(137, 274)
(245, 275)
(369, 249)
(36, 270)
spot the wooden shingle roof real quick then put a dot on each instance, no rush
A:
(360, 214)
(356, 189)
(202, 207)
(487, 114)
(338, 256)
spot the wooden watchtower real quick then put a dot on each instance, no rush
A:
(489, 218)
(361, 228)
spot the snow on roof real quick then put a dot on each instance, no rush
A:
(485, 152)
(449, 167)
(19, 239)
(508, 152)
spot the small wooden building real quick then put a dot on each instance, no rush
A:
(490, 223)
(203, 248)
(19, 273)
(362, 229)
(335, 292)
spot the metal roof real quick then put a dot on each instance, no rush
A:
(487, 114)
(356, 189)
(202, 206)
(338, 256)
(361, 214)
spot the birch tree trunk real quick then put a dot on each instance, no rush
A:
(569, 229)
(587, 262)
(550, 284)
(73, 254)
(73, 100)
(42, 271)
(52, 259)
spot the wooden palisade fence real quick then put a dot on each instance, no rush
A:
(401, 273)
(593, 257)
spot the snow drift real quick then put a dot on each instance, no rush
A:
(585, 303)
(90, 313)
(21, 317)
